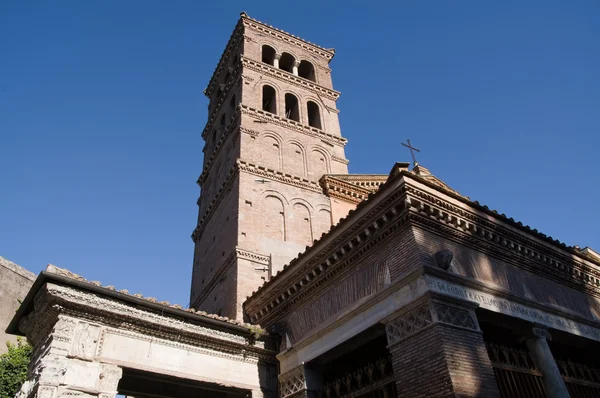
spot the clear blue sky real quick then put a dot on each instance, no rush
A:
(101, 111)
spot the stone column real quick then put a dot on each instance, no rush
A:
(300, 382)
(295, 68)
(276, 60)
(437, 349)
(538, 347)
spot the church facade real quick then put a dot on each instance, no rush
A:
(308, 281)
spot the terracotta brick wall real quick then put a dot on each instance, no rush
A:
(442, 361)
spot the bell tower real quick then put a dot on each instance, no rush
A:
(272, 133)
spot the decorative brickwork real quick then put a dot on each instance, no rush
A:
(443, 361)
(409, 323)
(292, 382)
(454, 316)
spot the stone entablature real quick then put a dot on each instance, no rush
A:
(409, 199)
(83, 334)
(436, 211)
(351, 188)
(449, 297)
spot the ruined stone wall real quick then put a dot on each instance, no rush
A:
(15, 282)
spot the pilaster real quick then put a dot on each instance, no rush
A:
(437, 349)
(64, 364)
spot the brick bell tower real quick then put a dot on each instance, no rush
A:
(272, 133)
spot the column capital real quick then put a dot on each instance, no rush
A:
(278, 56)
(540, 331)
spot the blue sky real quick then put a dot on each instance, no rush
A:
(101, 111)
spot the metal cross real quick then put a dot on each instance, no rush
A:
(412, 151)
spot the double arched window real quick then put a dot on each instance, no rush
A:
(288, 63)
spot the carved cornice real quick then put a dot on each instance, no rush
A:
(250, 132)
(466, 227)
(212, 116)
(231, 127)
(286, 37)
(252, 256)
(214, 281)
(300, 279)
(339, 159)
(137, 322)
(222, 270)
(297, 81)
(354, 191)
(234, 40)
(280, 176)
(225, 187)
(293, 125)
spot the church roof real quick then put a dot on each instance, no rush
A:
(54, 274)
(423, 175)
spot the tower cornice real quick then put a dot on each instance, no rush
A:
(298, 81)
(327, 53)
(234, 39)
(293, 125)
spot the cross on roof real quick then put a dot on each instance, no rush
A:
(412, 151)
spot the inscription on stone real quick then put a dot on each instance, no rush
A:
(507, 307)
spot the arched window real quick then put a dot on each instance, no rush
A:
(232, 103)
(269, 99)
(286, 62)
(222, 123)
(306, 70)
(268, 54)
(291, 107)
(314, 115)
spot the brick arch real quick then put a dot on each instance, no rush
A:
(321, 220)
(294, 158)
(319, 162)
(261, 94)
(271, 152)
(300, 222)
(273, 213)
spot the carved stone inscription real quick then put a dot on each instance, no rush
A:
(507, 307)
